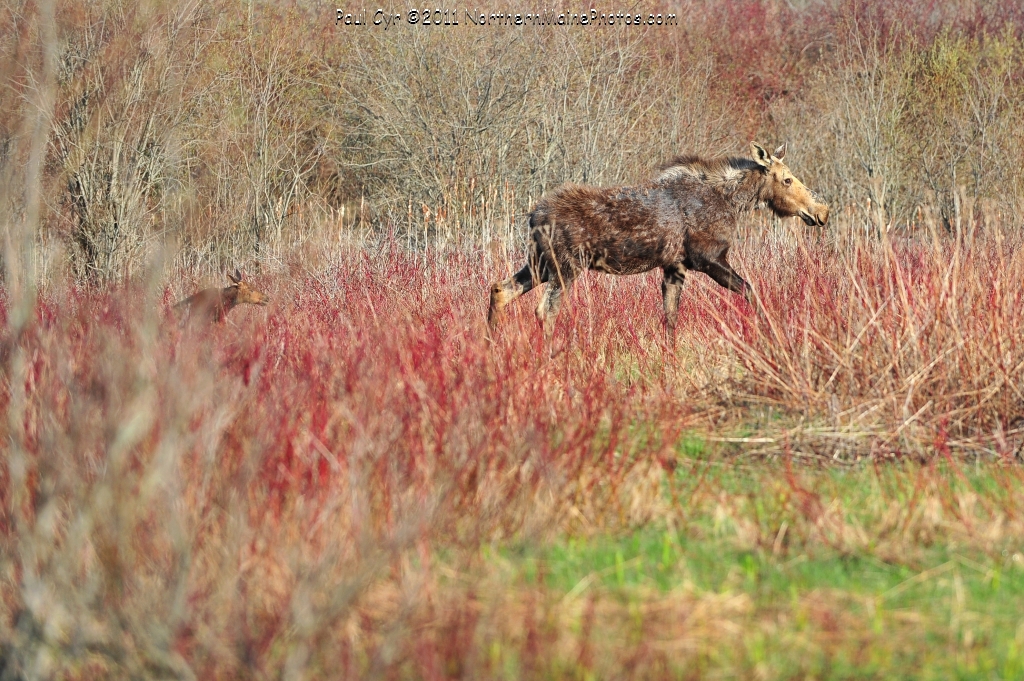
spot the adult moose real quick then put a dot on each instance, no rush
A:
(682, 220)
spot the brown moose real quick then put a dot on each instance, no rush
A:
(213, 304)
(683, 220)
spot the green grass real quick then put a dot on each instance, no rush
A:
(989, 602)
(929, 589)
(665, 561)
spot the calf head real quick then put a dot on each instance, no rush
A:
(782, 192)
(245, 293)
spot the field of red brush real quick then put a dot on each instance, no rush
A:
(304, 491)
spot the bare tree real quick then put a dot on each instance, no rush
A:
(121, 106)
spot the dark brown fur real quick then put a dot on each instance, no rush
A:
(213, 304)
(682, 220)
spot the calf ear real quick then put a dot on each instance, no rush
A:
(760, 155)
(236, 277)
(780, 153)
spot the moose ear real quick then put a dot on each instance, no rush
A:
(760, 155)
(236, 277)
(780, 153)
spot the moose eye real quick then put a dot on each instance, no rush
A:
(788, 181)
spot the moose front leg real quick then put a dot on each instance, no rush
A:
(726, 276)
(671, 289)
(710, 258)
(551, 299)
(547, 310)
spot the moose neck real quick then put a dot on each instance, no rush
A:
(749, 191)
(229, 297)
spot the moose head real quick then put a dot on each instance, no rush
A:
(786, 195)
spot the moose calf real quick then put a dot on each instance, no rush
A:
(213, 304)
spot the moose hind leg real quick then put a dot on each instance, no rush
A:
(671, 289)
(504, 292)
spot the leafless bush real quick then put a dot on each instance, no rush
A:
(113, 136)
(275, 141)
(969, 93)
(909, 128)
(437, 119)
(230, 132)
(858, 155)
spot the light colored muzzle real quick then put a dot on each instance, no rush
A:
(817, 214)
